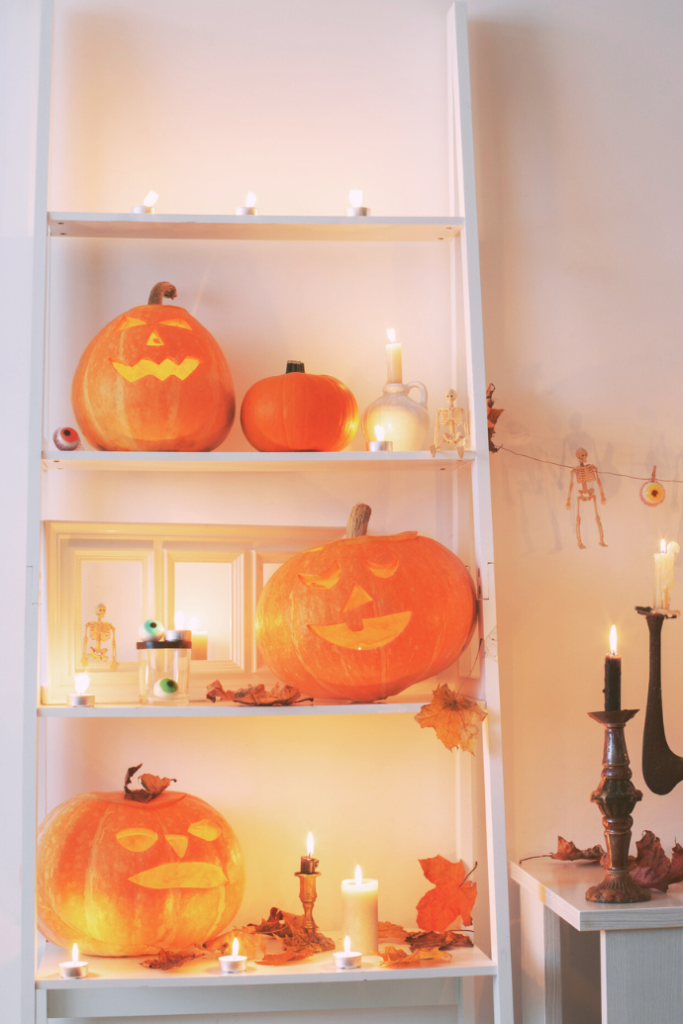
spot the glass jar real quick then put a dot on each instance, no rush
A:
(164, 668)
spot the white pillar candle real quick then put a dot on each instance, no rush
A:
(664, 574)
(359, 912)
(394, 359)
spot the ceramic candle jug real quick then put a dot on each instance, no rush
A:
(404, 420)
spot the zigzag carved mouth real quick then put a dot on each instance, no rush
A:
(162, 371)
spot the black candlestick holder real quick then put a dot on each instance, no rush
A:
(662, 769)
(616, 796)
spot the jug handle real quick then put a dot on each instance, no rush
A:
(421, 388)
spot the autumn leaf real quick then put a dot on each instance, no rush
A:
(437, 940)
(455, 719)
(676, 869)
(289, 928)
(287, 956)
(257, 696)
(453, 896)
(167, 959)
(251, 945)
(651, 866)
(153, 786)
(387, 930)
(392, 957)
(566, 850)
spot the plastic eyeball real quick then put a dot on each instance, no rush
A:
(652, 493)
(66, 439)
(151, 630)
(165, 688)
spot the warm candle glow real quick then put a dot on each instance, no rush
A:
(309, 845)
(391, 335)
(193, 623)
(250, 200)
(347, 944)
(613, 641)
(235, 947)
(179, 620)
(356, 197)
(379, 433)
(74, 954)
(150, 199)
(81, 682)
(358, 877)
(662, 547)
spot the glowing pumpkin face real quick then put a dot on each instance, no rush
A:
(154, 379)
(122, 878)
(363, 618)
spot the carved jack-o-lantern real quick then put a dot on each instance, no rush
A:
(123, 878)
(362, 618)
(154, 379)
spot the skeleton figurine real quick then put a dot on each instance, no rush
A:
(454, 422)
(586, 474)
(97, 633)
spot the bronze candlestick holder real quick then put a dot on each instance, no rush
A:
(308, 895)
(616, 796)
(662, 769)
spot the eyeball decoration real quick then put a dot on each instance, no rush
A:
(652, 493)
(165, 688)
(151, 629)
(67, 439)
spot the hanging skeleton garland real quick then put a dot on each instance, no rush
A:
(586, 473)
(652, 493)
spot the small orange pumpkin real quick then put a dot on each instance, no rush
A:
(299, 412)
(364, 617)
(123, 878)
(154, 380)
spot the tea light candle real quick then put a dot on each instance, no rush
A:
(359, 911)
(613, 675)
(74, 968)
(249, 209)
(356, 209)
(664, 574)
(234, 964)
(81, 699)
(309, 865)
(380, 445)
(147, 204)
(394, 359)
(347, 961)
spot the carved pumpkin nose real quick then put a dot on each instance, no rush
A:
(179, 843)
(357, 598)
(154, 339)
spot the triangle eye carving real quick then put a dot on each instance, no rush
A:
(177, 323)
(130, 321)
(154, 339)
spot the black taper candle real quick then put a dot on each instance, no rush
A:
(612, 689)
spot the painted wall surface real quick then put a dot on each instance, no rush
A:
(579, 164)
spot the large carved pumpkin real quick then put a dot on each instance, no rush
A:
(154, 380)
(123, 878)
(364, 617)
(299, 412)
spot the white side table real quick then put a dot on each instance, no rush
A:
(641, 945)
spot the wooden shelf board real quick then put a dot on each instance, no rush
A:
(562, 887)
(260, 228)
(253, 462)
(126, 972)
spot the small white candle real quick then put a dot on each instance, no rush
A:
(394, 360)
(380, 445)
(249, 209)
(147, 204)
(81, 699)
(348, 960)
(200, 641)
(664, 574)
(233, 964)
(74, 968)
(359, 911)
(356, 209)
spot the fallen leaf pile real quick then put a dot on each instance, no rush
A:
(251, 945)
(437, 940)
(452, 898)
(387, 930)
(297, 943)
(651, 868)
(392, 957)
(167, 959)
(153, 786)
(455, 719)
(256, 696)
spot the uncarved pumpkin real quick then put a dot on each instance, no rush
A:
(299, 412)
(364, 617)
(154, 380)
(123, 878)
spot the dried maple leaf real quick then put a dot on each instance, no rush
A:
(437, 940)
(566, 850)
(153, 786)
(676, 869)
(455, 719)
(392, 957)
(167, 959)
(651, 866)
(453, 896)
(288, 956)
(251, 945)
(289, 928)
(257, 696)
(387, 930)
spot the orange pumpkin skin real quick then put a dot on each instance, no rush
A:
(299, 412)
(192, 412)
(362, 618)
(84, 888)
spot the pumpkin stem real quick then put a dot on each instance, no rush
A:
(357, 525)
(295, 366)
(153, 786)
(159, 291)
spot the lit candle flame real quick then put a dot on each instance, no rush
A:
(356, 197)
(193, 623)
(309, 845)
(82, 682)
(359, 875)
(662, 547)
(74, 953)
(235, 947)
(150, 199)
(250, 200)
(379, 433)
(613, 641)
(391, 335)
(347, 944)
(179, 620)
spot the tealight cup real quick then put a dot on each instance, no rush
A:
(380, 446)
(347, 961)
(232, 964)
(142, 209)
(81, 700)
(246, 211)
(357, 211)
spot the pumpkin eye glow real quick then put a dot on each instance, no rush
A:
(381, 570)
(178, 843)
(177, 323)
(136, 839)
(205, 829)
(154, 339)
(322, 581)
(130, 321)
